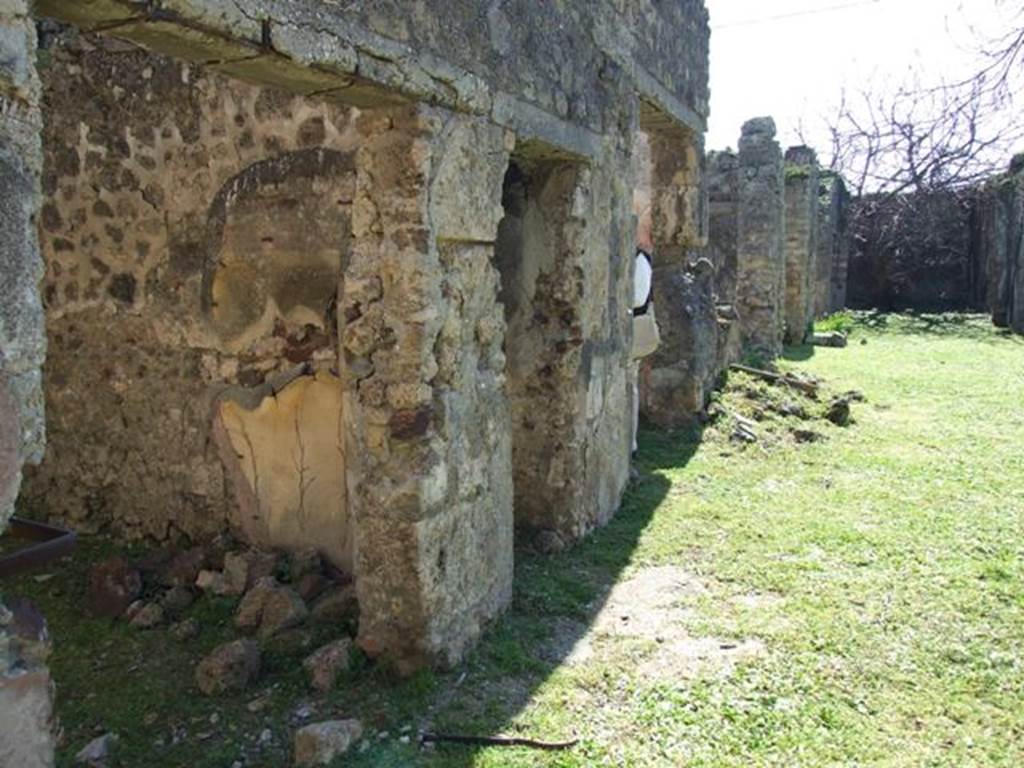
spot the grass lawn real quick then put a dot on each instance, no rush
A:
(856, 600)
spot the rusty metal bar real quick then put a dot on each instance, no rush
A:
(50, 543)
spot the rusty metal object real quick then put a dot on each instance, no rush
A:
(49, 543)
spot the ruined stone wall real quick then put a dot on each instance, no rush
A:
(27, 727)
(193, 230)
(425, 411)
(833, 246)
(22, 339)
(723, 202)
(761, 256)
(801, 172)
(998, 242)
(913, 251)
(563, 288)
(551, 70)
(680, 376)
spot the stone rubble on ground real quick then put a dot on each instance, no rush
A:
(320, 743)
(230, 667)
(96, 753)
(270, 608)
(325, 664)
(829, 339)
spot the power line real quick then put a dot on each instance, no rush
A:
(795, 14)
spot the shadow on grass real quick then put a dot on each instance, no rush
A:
(967, 326)
(557, 597)
(798, 353)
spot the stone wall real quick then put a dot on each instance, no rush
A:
(27, 732)
(833, 246)
(22, 338)
(193, 230)
(998, 241)
(680, 377)
(248, 252)
(761, 238)
(913, 251)
(801, 172)
(723, 206)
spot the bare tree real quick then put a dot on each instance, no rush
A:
(923, 136)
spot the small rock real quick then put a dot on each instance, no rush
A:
(325, 664)
(270, 607)
(338, 604)
(549, 542)
(211, 581)
(320, 743)
(183, 569)
(133, 610)
(113, 586)
(250, 610)
(743, 434)
(177, 599)
(839, 412)
(829, 339)
(311, 586)
(266, 736)
(235, 579)
(149, 616)
(96, 752)
(24, 628)
(790, 408)
(231, 666)
(257, 705)
(304, 563)
(807, 436)
(261, 565)
(185, 630)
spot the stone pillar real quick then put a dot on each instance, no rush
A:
(723, 219)
(26, 691)
(998, 240)
(801, 241)
(22, 335)
(760, 239)
(427, 419)
(682, 372)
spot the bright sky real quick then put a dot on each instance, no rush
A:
(795, 67)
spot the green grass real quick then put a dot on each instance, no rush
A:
(881, 570)
(844, 322)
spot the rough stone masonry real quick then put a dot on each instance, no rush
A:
(351, 275)
(761, 239)
(27, 736)
(801, 170)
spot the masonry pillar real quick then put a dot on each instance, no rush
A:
(26, 691)
(760, 239)
(801, 172)
(427, 419)
(683, 370)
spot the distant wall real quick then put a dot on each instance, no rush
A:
(949, 250)
(998, 240)
(913, 252)
(833, 244)
(801, 240)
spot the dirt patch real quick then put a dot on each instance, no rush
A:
(655, 607)
(690, 657)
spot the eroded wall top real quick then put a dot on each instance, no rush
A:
(553, 70)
